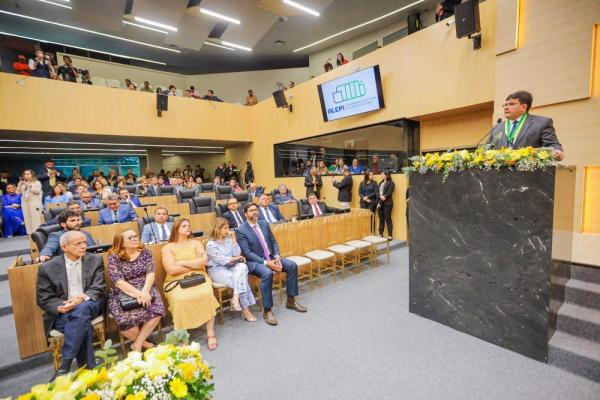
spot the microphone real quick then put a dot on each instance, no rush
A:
(151, 229)
(498, 122)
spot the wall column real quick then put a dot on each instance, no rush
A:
(154, 159)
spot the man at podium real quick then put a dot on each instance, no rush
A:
(521, 129)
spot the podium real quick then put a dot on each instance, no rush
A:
(490, 253)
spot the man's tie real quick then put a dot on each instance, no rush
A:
(262, 243)
(270, 216)
(163, 232)
(238, 219)
(115, 217)
(317, 209)
(511, 136)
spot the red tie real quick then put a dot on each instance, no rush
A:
(317, 209)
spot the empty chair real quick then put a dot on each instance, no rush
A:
(221, 209)
(40, 236)
(204, 205)
(208, 187)
(98, 81)
(113, 83)
(242, 197)
(130, 188)
(51, 213)
(187, 196)
(166, 190)
(223, 192)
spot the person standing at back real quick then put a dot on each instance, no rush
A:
(30, 190)
(344, 188)
(386, 203)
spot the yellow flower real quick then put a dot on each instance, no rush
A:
(187, 371)
(478, 159)
(137, 396)
(417, 164)
(178, 388)
(120, 392)
(92, 396)
(447, 157)
(543, 155)
(27, 396)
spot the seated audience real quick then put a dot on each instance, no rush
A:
(172, 90)
(216, 182)
(268, 212)
(196, 305)
(132, 201)
(132, 87)
(194, 92)
(127, 83)
(234, 185)
(233, 215)
(251, 99)
(313, 183)
(146, 87)
(111, 178)
(344, 188)
(284, 196)
(12, 214)
(322, 168)
(340, 59)
(74, 207)
(69, 221)
(20, 66)
(40, 66)
(141, 190)
(115, 212)
(188, 94)
(131, 271)
(191, 185)
(337, 167)
(328, 66)
(153, 189)
(87, 201)
(356, 168)
(316, 208)
(210, 95)
(160, 229)
(70, 291)
(130, 176)
(57, 195)
(254, 191)
(226, 265)
(102, 191)
(67, 72)
(261, 251)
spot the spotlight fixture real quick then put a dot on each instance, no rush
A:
(219, 16)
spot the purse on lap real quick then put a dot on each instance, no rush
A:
(128, 303)
(188, 281)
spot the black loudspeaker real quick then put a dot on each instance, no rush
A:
(162, 102)
(467, 18)
(279, 98)
(413, 23)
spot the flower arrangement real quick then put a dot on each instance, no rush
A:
(168, 371)
(522, 159)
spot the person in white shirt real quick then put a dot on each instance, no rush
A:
(160, 229)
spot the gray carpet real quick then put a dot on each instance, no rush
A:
(358, 341)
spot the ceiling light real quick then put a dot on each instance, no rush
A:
(154, 23)
(218, 45)
(88, 31)
(145, 27)
(111, 144)
(359, 26)
(301, 7)
(237, 46)
(84, 48)
(56, 4)
(218, 15)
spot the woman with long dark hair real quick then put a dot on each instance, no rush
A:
(386, 203)
(367, 191)
(248, 174)
(340, 60)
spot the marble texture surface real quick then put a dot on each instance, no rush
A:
(480, 255)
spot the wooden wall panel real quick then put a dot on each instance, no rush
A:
(507, 30)
(591, 200)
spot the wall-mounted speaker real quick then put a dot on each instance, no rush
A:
(279, 97)
(162, 102)
(467, 18)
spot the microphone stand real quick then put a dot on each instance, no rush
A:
(498, 122)
(151, 229)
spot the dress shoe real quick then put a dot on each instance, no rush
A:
(294, 305)
(58, 373)
(270, 318)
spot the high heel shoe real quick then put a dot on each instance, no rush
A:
(235, 304)
(249, 319)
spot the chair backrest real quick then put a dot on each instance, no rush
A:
(204, 204)
(208, 187)
(224, 192)
(185, 195)
(276, 191)
(43, 233)
(130, 188)
(167, 189)
(242, 197)
(53, 212)
(221, 209)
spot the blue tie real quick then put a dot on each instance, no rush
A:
(115, 217)
(163, 232)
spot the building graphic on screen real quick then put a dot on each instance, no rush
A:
(349, 91)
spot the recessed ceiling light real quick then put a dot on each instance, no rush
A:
(359, 26)
(56, 4)
(145, 27)
(302, 7)
(218, 45)
(88, 31)
(237, 46)
(84, 48)
(219, 15)
(154, 23)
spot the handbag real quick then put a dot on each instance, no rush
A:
(127, 302)
(188, 281)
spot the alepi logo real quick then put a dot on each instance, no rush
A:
(349, 91)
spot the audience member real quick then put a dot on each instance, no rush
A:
(216, 182)
(328, 66)
(445, 9)
(234, 185)
(232, 214)
(227, 266)
(340, 59)
(313, 183)
(130, 175)
(141, 190)
(356, 168)
(199, 172)
(254, 191)
(132, 87)
(284, 196)
(57, 195)
(291, 84)
(131, 271)
(368, 192)
(102, 190)
(30, 190)
(153, 188)
(188, 94)
(159, 229)
(248, 173)
(88, 202)
(322, 168)
(337, 167)
(308, 169)
(146, 87)
(210, 95)
(6, 178)
(50, 176)
(67, 71)
(75, 207)
(220, 171)
(193, 306)
(375, 164)
(115, 212)
(268, 212)
(86, 79)
(251, 99)
(386, 203)
(130, 200)
(40, 65)
(20, 66)
(69, 221)
(194, 92)
(314, 207)
(127, 83)
(70, 291)
(12, 214)
(261, 251)
(344, 188)
(231, 171)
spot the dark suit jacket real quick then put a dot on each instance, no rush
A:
(274, 210)
(250, 244)
(537, 131)
(52, 246)
(44, 179)
(232, 221)
(125, 212)
(152, 191)
(309, 185)
(325, 209)
(345, 189)
(52, 286)
(388, 190)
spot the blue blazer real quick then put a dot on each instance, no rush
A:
(228, 215)
(94, 203)
(125, 213)
(135, 201)
(52, 246)
(151, 230)
(250, 245)
(274, 210)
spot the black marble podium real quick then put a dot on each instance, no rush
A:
(481, 254)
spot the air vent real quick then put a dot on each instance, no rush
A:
(218, 30)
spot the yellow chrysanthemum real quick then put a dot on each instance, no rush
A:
(137, 396)
(178, 388)
(187, 371)
(92, 396)
(543, 155)
(27, 396)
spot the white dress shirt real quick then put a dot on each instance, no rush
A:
(160, 232)
(74, 277)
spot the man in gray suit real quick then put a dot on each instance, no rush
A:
(70, 291)
(160, 229)
(521, 129)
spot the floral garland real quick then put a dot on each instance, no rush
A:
(167, 371)
(522, 159)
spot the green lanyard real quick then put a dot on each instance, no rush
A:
(511, 134)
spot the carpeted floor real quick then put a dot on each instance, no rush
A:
(358, 341)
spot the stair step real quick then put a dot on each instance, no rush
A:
(574, 354)
(582, 293)
(579, 321)
(585, 274)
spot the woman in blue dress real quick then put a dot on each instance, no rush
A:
(14, 223)
(58, 196)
